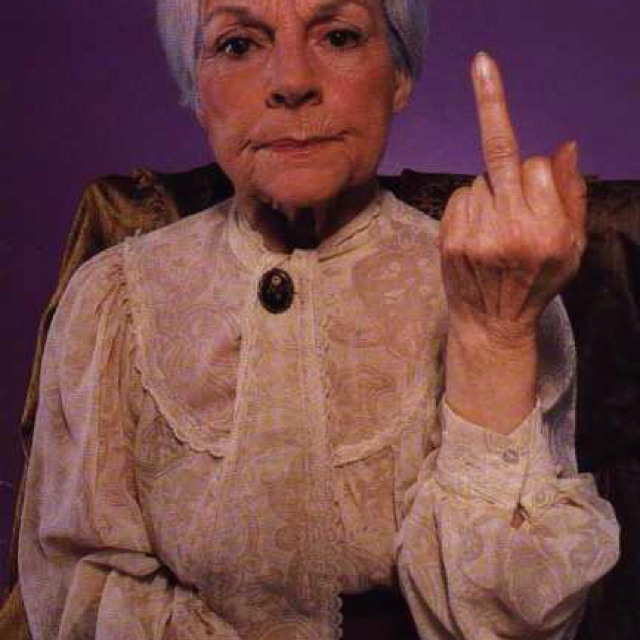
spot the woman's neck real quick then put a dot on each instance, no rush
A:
(306, 227)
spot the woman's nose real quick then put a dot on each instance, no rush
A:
(293, 80)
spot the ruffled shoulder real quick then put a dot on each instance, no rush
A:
(89, 386)
(92, 309)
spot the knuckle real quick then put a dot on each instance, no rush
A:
(452, 252)
(482, 191)
(581, 184)
(457, 202)
(526, 248)
(479, 184)
(484, 251)
(452, 248)
(513, 249)
(561, 246)
(554, 250)
(518, 254)
(500, 147)
(461, 196)
(580, 190)
(536, 164)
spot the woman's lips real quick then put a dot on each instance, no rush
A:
(290, 145)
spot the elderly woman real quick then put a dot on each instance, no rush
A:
(312, 389)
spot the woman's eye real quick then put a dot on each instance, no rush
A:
(343, 38)
(235, 47)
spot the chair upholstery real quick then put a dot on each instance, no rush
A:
(603, 302)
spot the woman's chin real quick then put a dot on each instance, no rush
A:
(298, 189)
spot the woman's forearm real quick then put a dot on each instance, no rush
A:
(491, 382)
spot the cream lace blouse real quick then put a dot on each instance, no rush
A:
(204, 468)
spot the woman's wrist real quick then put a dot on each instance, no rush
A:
(491, 376)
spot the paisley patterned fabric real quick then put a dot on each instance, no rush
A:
(202, 468)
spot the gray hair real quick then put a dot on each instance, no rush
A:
(178, 25)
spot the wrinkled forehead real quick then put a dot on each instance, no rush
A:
(290, 10)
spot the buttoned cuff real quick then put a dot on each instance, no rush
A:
(505, 470)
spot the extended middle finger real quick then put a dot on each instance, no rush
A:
(499, 143)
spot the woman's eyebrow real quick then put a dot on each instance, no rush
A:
(329, 9)
(321, 13)
(245, 15)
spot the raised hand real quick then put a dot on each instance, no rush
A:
(508, 244)
(513, 239)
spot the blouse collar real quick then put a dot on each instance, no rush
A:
(248, 244)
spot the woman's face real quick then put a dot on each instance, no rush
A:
(296, 95)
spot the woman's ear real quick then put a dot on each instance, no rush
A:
(404, 86)
(197, 109)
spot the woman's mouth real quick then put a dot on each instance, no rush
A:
(294, 145)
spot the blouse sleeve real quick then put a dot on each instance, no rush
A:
(467, 569)
(87, 568)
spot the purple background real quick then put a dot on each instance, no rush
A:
(85, 92)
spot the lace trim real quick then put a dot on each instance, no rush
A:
(319, 383)
(184, 425)
(335, 523)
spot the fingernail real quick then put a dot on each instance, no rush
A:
(482, 65)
